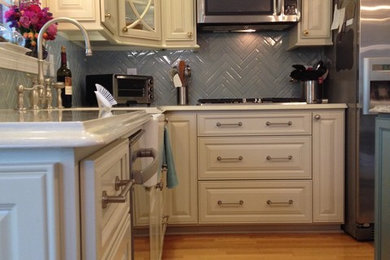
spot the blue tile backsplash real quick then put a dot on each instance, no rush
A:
(226, 65)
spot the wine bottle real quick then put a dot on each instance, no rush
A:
(65, 75)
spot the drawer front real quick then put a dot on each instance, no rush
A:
(255, 202)
(254, 123)
(254, 157)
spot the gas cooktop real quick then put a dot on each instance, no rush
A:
(207, 101)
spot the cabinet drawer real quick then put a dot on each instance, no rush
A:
(255, 202)
(254, 123)
(263, 157)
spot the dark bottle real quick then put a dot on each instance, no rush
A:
(65, 75)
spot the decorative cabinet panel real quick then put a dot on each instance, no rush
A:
(85, 11)
(328, 166)
(382, 187)
(30, 212)
(140, 20)
(314, 27)
(179, 30)
(104, 225)
(183, 199)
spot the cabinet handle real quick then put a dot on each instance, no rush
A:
(107, 15)
(287, 203)
(227, 125)
(288, 158)
(121, 198)
(239, 158)
(317, 117)
(306, 32)
(230, 204)
(268, 123)
(125, 29)
(189, 35)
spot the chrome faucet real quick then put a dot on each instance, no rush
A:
(41, 86)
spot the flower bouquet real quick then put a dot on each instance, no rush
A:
(28, 18)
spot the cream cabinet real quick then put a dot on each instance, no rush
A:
(106, 226)
(272, 166)
(183, 199)
(29, 212)
(328, 166)
(314, 26)
(178, 22)
(147, 23)
(87, 12)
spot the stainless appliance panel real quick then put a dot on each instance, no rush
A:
(371, 38)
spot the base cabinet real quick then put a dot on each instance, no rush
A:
(253, 167)
(382, 188)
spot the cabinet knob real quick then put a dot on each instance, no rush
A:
(305, 32)
(317, 117)
(189, 34)
(124, 29)
(107, 15)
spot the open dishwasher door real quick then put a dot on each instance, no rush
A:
(148, 195)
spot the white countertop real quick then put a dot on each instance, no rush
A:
(251, 107)
(66, 128)
(79, 127)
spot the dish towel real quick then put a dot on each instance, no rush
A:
(169, 162)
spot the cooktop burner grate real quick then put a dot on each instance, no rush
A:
(248, 100)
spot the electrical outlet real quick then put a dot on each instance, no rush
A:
(131, 71)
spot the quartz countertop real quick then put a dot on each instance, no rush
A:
(66, 128)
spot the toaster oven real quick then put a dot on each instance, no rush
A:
(126, 89)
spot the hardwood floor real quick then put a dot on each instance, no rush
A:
(267, 246)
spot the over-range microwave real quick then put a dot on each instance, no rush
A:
(247, 14)
(126, 89)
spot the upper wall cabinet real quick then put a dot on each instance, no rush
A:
(314, 27)
(146, 23)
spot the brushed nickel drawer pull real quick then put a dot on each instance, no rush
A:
(121, 198)
(288, 158)
(268, 123)
(287, 203)
(229, 125)
(230, 204)
(239, 158)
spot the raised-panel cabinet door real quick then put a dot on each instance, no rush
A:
(316, 18)
(29, 212)
(179, 24)
(109, 16)
(140, 19)
(328, 166)
(87, 12)
(183, 199)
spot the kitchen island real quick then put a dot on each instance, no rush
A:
(42, 158)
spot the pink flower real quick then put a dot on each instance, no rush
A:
(25, 21)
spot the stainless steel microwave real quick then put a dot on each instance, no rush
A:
(253, 14)
(126, 89)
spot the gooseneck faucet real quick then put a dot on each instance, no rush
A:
(41, 78)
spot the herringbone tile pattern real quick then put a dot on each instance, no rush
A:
(227, 65)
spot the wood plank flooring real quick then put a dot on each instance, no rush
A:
(327, 246)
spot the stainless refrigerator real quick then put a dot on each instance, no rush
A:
(359, 63)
